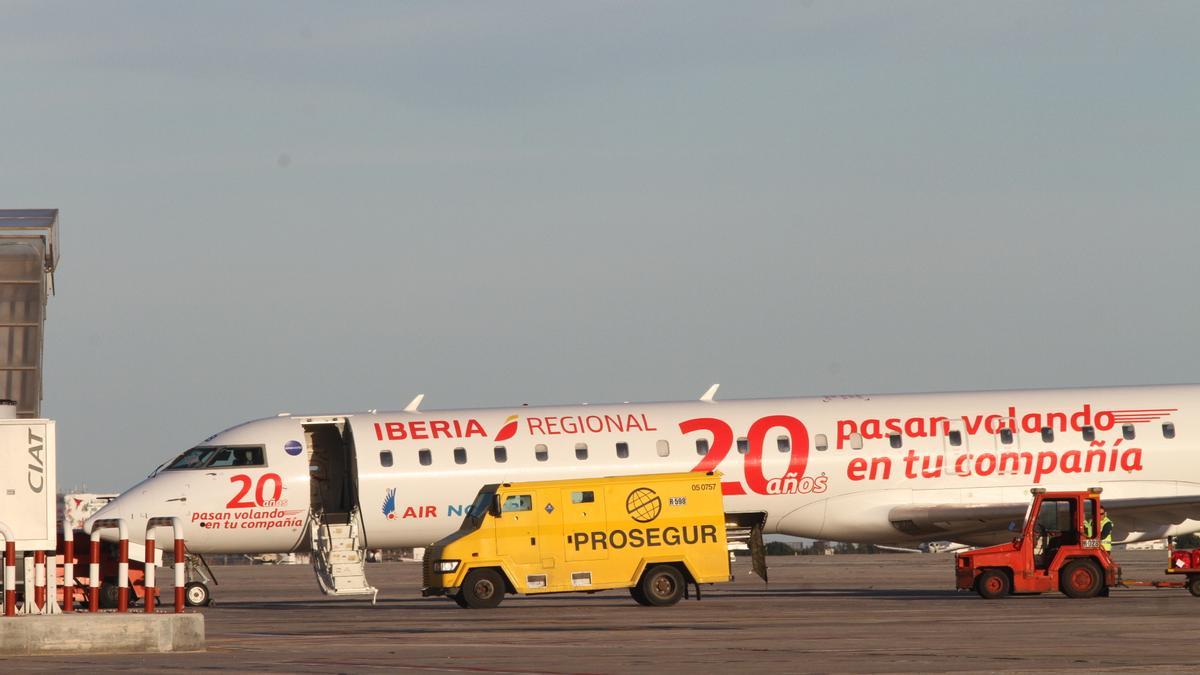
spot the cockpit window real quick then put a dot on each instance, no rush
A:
(218, 456)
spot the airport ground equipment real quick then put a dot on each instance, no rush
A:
(1055, 551)
(1059, 549)
(652, 534)
(28, 257)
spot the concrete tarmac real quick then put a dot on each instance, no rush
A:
(856, 613)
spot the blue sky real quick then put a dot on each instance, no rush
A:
(315, 206)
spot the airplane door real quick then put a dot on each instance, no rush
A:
(517, 528)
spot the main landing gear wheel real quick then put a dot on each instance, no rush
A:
(662, 586)
(483, 589)
(992, 584)
(196, 594)
(1081, 579)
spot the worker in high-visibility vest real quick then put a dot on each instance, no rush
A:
(1106, 530)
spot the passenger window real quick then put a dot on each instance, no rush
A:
(425, 456)
(664, 448)
(541, 453)
(1006, 436)
(1127, 432)
(956, 438)
(784, 444)
(501, 454)
(895, 440)
(743, 445)
(622, 450)
(517, 503)
(821, 441)
(1168, 430)
(1089, 433)
(581, 451)
(701, 446)
(584, 497)
(385, 458)
(1047, 435)
(856, 441)
(460, 455)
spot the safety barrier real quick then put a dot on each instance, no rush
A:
(176, 525)
(68, 535)
(10, 570)
(122, 564)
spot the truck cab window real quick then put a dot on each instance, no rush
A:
(583, 497)
(517, 503)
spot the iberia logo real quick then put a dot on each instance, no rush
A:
(389, 504)
(508, 430)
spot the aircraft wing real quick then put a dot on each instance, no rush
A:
(997, 522)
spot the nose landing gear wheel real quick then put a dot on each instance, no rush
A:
(196, 594)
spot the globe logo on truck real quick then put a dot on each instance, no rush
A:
(643, 505)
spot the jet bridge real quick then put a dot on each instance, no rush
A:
(28, 255)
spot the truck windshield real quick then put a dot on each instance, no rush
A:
(478, 509)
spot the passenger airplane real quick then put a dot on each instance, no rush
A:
(888, 469)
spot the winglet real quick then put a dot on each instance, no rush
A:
(415, 405)
(710, 394)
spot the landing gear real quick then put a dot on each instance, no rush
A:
(196, 591)
(196, 594)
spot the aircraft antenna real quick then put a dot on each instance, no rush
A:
(710, 394)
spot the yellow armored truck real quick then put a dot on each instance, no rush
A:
(653, 534)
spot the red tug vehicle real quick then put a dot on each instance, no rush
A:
(1054, 552)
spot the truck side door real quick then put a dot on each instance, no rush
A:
(517, 529)
(583, 515)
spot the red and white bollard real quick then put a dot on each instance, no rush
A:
(10, 570)
(176, 526)
(122, 564)
(68, 603)
(39, 580)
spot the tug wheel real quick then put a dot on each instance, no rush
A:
(1193, 585)
(1081, 579)
(992, 584)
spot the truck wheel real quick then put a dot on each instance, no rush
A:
(1081, 579)
(459, 600)
(662, 586)
(483, 589)
(196, 594)
(1193, 585)
(638, 596)
(992, 584)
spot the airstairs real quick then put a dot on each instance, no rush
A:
(339, 554)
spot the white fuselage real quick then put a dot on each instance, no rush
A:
(825, 468)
